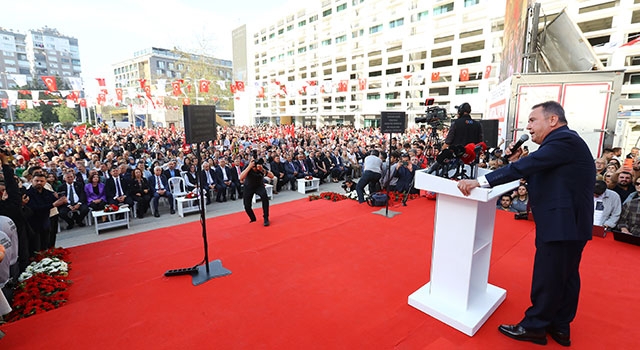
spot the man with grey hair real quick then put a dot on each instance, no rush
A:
(160, 188)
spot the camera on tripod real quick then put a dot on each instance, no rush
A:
(434, 115)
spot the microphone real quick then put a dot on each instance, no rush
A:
(443, 159)
(517, 145)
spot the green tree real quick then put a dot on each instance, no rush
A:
(30, 115)
(66, 115)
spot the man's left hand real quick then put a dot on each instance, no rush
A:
(465, 186)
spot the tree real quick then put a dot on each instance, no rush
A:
(66, 115)
(30, 115)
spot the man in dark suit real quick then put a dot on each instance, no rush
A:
(560, 178)
(116, 188)
(236, 170)
(208, 180)
(76, 209)
(160, 188)
(223, 179)
(171, 170)
(291, 171)
(277, 168)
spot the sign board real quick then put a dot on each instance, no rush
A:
(199, 123)
(393, 122)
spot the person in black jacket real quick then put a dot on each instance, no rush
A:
(77, 208)
(40, 202)
(464, 130)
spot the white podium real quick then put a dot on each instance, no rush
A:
(458, 293)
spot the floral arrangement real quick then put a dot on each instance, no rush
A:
(308, 177)
(191, 195)
(394, 197)
(110, 208)
(43, 285)
(332, 196)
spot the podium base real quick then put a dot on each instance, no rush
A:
(215, 270)
(468, 321)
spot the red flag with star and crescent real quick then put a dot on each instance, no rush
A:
(101, 99)
(50, 82)
(147, 90)
(175, 86)
(487, 72)
(101, 81)
(240, 85)
(343, 85)
(5, 103)
(204, 85)
(233, 88)
(362, 83)
(119, 94)
(464, 74)
(186, 101)
(83, 102)
(435, 76)
(143, 82)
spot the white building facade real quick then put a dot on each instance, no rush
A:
(342, 62)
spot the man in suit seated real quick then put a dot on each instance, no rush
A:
(76, 209)
(172, 171)
(116, 188)
(236, 170)
(291, 171)
(160, 188)
(277, 168)
(208, 180)
(223, 179)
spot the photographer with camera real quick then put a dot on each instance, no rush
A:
(464, 130)
(253, 177)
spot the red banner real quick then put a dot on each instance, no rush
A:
(80, 130)
(101, 81)
(362, 83)
(435, 76)
(147, 90)
(186, 101)
(464, 74)
(83, 102)
(50, 82)
(487, 72)
(5, 103)
(343, 85)
(101, 99)
(240, 85)
(23, 105)
(119, 94)
(175, 86)
(204, 85)
(143, 82)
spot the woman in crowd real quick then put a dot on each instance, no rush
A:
(611, 178)
(95, 193)
(140, 192)
(191, 178)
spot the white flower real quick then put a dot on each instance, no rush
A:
(50, 266)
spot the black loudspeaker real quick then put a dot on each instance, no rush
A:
(490, 131)
(199, 123)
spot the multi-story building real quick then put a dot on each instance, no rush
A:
(40, 52)
(159, 67)
(344, 61)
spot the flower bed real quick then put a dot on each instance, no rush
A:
(43, 285)
(394, 197)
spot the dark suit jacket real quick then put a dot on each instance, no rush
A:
(77, 188)
(110, 187)
(168, 175)
(290, 168)
(220, 177)
(203, 177)
(234, 173)
(560, 182)
(152, 183)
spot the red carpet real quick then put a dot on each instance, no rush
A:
(324, 275)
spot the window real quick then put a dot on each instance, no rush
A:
(468, 3)
(422, 15)
(289, 27)
(341, 7)
(443, 9)
(280, 31)
(302, 50)
(373, 96)
(313, 46)
(281, 56)
(313, 18)
(357, 33)
(397, 23)
(159, 71)
(341, 39)
(466, 90)
(375, 29)
(272, 35)
(160, 64)
(326, 42)
(326, 13)
(302, 23)
(290, 53)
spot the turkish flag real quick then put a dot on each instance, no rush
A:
(175, 86)
(143, 82)
(362, 83)
(5, 103)
(240, 85)
(186, 101)
(312, 82)
(96, 130)
(487, 72)
(261, 92)
(100, 81)
(233, 88)
(101, 99)
(50, 82)
(464, 74)
(147, 90)
(204, 85)
(283, 88)
(119, 94)
(72, 96)
(83, 102)
(23, 105)
(435, 76)
(343, 85)
(80, 130)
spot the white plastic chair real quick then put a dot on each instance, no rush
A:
(177, 187)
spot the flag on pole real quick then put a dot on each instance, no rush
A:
(464, 74)
(83, 102)
(186, 101)
(435, 76)
(101, 81)
(362, 83)
(119, 94)
(487, 72)
(175, 86)
(143, 82)
(239, 85)
(5, 103)
(204, 85)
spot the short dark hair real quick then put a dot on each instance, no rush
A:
(600, 187)
(550, 108)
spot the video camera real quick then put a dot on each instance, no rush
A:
(434, 115)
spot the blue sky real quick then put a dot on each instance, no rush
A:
(110, 31)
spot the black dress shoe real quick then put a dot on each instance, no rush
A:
(172, 211)
(156, 214)
(266, 222)
(70, 226)
(560, 337)
(518, 332)
(252, 220)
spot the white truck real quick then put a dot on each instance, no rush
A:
(590, 99)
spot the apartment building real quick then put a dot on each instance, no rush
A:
(38, 52)
(334, 62)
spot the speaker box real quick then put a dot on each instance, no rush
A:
(490, 131)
